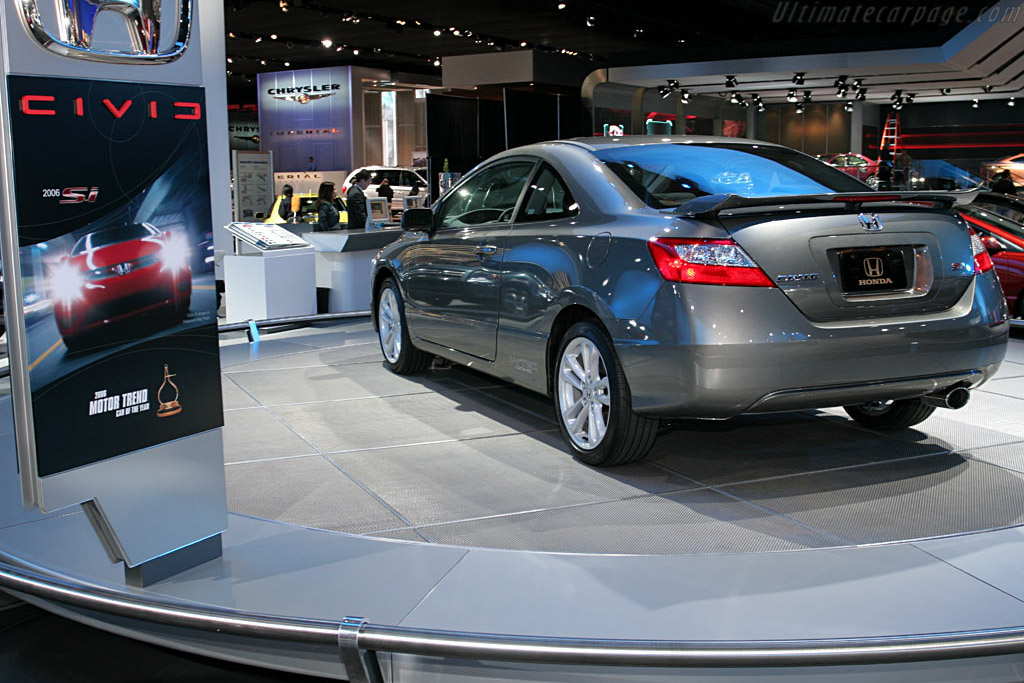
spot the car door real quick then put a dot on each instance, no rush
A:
(452, 278)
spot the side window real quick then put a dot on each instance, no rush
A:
(409, 179)
(490, 196)
(548, 198)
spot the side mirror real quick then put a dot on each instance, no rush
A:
(992, 245)
(420, 220)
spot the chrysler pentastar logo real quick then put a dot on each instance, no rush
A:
(870, 222)
(301, 98)
(76, 20)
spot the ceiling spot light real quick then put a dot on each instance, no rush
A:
(327, 42)
(730, 81)
(799, 107)
(798, 78)
(946, 91)
(355, 51)
(258, 39)
(287, 63)
(591, 21)
(761, 108)
(230, 61)
(437, 32)
(273, 36)
(263, 62)
(857, 82)
(638, 32)
(987, 88)
(862, 94)
(437, 62)
(840, 82)
(841, 91)
(523, 44)
(791, 96)
(848, 106)
(909, 99)
(665, 91)
(974, 104)
(896, 95)
(736, 98)
(561, 5)
(1011, 102)
(807, 97)
(283, 4)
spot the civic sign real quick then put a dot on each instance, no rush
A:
(76, 20)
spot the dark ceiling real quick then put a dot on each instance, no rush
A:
(410, 37)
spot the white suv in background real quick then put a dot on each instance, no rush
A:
(401, 178)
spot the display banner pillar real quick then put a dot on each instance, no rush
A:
(110, 300)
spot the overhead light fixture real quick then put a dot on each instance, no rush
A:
(591, 21)
(287, 63)
(896, 95)
(355, 51)
(665, 91)
(761, 108)
(673, 83)
(437, 32)
(987, 88)
(848, 106)
(798, 78)
(909, 99)
(561, 5)
(523, 44)
(283, 4)
(974, 104)
(437, 62)
(807, 96)
(685, 96)
(946, 91)
(1011, 102)
(840, 82)
(799, 107)
(791, 96)
(730, 81)
(273, 36)
(841, 91)
(327, 42)
(736, 98)
(638, 32)
(862, 94)
(258, 39)
(857, 82)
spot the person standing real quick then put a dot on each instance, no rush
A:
(1003, 182)
(311, 166)
(385, 190)
(356, 200)
(284, 207)
(327, 213)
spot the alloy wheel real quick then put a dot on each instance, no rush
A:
(389, 325)
(584, 395)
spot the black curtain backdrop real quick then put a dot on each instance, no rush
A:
(465, 131)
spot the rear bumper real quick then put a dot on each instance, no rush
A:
(717, 352)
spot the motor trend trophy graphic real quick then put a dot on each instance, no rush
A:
(172, 407)
(113, 198)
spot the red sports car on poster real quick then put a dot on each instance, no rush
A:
(1014, 164)
(851, 163)
(1004, 241)
(119, 273)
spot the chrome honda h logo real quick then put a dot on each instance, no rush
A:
(870, 222)
(123, 268)
(873, 267)
(76, 20)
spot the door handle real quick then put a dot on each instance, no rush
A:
(486, 250)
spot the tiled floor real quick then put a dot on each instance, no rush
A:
(319, 434)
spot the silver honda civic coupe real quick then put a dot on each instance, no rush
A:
(644, 278)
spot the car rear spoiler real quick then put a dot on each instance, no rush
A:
(711, 205)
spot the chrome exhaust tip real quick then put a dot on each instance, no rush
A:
(954, 399)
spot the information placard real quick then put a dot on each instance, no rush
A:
(113, 204)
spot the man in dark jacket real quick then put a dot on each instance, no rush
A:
(1003, 182)
(356, 200)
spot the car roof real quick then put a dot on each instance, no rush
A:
(596, 143)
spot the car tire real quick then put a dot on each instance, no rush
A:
(597, 392)
(400, 355)
(890, 416)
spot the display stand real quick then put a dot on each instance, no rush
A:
(270, 275)
(343, 264)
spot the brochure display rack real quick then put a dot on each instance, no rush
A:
(270, 275)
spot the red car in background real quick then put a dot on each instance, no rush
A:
(851, 163)
(117, 274)
(1004, 241)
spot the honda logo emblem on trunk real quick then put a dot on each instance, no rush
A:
(76, 20)
(873, 267)
(123, 268)
(870, 222)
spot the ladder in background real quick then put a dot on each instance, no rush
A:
(890, 139)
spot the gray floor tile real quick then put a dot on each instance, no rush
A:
(338, 355)
(309, 492)
(257, 435)
(906, 499)
(1010, 369)
(1015, 350)
(1010, 456)
(1012, 387)
(234, 397)
(755, 447)
(461, 480)
(994, 557)
(698, 521)
(404, 420)
(243, 352)
(338, 382)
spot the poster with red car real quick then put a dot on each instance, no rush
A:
(113, 215)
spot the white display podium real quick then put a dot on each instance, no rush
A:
(268, 278)
(343, 264)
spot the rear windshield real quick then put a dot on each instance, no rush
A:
(671, 174)
(123, 233)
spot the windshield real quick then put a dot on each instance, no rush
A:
(102, 238)
(671, 174)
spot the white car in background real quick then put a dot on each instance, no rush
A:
(401, 178)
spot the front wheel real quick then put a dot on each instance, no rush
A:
(890, 415)
(400, 355)
(593, 402)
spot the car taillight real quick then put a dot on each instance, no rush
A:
(707, 262)
(982, 261)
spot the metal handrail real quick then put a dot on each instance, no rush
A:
(368, 639)
(292, 320)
